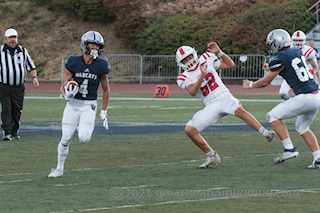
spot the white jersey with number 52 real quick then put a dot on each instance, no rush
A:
(212, 85)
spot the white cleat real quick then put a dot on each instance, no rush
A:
(55, 173)
(315, 164)
(269, 135)
(287, 154)
(210, 160)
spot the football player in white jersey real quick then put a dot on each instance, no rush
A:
(290, 63)
(299, 40)
(200, 77)
(88, 70)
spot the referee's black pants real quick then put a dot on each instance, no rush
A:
(11, 99)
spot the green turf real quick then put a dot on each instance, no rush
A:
(155, 172)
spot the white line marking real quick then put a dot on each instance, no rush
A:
(72, 184)
(182, 201)
(212, 189)
(145, 165)
(134, 187)
(15, 181)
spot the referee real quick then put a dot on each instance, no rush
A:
(15, 61)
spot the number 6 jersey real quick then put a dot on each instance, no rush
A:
(212, 85)
(294, 61)
(88, 76)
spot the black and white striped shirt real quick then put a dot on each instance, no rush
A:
(13, 68)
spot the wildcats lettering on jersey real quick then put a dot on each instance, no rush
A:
(86, 75)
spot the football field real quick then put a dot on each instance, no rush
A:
(146, 163)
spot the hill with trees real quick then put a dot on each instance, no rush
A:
(53, 28)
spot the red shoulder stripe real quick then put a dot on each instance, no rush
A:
(308, 52)
(206, 55)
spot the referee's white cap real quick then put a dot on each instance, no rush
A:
(10, 32)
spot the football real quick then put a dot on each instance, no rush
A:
(73, 84)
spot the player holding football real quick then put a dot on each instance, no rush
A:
(200, 77)
(299, 40)
(88, 71)
(290, 63)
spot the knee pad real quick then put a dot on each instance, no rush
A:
(270, 117)
(84, 137)
(300, 128)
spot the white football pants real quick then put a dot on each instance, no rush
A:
(81, 114)
(302, 106)
(224, 105)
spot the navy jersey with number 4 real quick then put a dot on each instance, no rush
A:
(295, 70)
(88, 76)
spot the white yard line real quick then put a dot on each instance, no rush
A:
(276, 193)
(237, 196)
(15, 181)
(144, 165)
(72, 184)
(136, 187)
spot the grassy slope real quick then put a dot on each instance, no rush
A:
(50, 35)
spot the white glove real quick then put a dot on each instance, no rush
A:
(70, 93)
(103, 116)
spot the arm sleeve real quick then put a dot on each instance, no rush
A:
(29, 62)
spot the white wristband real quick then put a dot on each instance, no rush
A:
(250, 85)
(220, 53)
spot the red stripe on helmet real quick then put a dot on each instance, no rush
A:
(181, 51)
(298, 34)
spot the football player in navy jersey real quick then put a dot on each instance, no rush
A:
(88, 71)
(290, 63)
